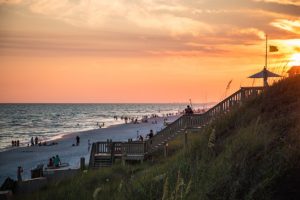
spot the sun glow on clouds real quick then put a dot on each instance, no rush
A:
(295, 59)
(165, 50)
(288, 2)
(104, 14)
(288, 25)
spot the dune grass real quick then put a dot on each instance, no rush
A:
(253, 152)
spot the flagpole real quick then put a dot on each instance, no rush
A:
(266, 60)
(266, 64)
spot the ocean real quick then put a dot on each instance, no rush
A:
(50, 121)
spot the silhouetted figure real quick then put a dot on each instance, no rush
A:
(32, 141)
(36, 140)
(89, 145)
(50, 164)
(150, 135)
(141, 138)
(18, 143)
(188, 110)
(77, 140)
(57, 161)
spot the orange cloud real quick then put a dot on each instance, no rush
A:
(288, 25)
(288, 2)
(130, 51)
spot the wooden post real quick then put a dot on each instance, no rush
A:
(124, 159)
(185, 139)
(92, 155)
(243, 95)
(82, 163)
(166, 150)
(124, 153)
(112, 152)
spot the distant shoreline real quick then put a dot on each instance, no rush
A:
(29, 157)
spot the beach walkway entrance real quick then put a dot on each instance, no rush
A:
(103, 154)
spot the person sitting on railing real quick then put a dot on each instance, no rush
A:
(150, 135)
(188, 110)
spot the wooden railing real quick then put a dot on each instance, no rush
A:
(108, 147)
(178, 126)
(199, 120)
(136, 147)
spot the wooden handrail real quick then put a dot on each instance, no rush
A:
(179, 125)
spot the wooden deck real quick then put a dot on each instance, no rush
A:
(104, 153)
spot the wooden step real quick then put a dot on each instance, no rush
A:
(104, 161)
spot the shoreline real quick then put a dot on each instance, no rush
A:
(29, 156)
(54, 138)
(62, 135)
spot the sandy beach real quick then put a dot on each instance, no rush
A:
(29, 157)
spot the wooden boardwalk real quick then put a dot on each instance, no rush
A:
(104, 153)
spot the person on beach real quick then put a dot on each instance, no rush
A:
(89, 145)
(18, 143)
(141, 138)
(57, 161)
(36, 140)
(19, 173)
(32, 141)
(50, 163)
(77, 140)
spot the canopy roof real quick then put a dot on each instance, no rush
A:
(294, 69)
(261, 74)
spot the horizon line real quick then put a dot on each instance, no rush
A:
(104, 102)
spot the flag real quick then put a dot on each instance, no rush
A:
(273, 49)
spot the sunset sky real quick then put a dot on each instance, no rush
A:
(100, 51)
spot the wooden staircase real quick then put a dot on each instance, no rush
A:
(104, 153)
(102, 161)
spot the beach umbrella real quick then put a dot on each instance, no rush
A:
(261, 74)
(265, 74)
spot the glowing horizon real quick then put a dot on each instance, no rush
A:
(87, 51)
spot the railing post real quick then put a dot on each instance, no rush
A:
(124, 153)
(243, 95)
(92, 156)
(82, 163)
(112, 144)
(185, 139)
(166, 150)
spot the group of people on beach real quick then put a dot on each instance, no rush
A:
(15, 143)
(101, 124)
(54, 161)
(131, 119)
(149, 136)
(144, 119)
(34, 141)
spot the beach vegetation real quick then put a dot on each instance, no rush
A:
(251, 152)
